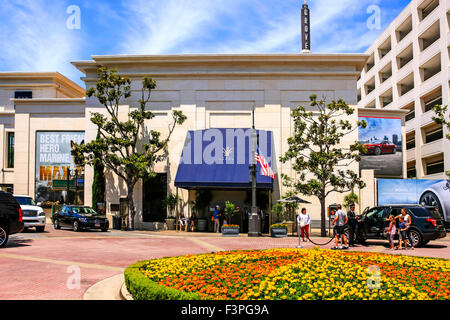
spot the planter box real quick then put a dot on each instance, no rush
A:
(278, 232)
(230, 232)
(202, 225)
(170, 224)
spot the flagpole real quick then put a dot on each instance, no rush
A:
(254, 219)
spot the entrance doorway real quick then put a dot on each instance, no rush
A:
(154, 193)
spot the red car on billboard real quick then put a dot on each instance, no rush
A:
(378, 147)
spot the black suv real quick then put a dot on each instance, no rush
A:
(10, 217)
(426, 223)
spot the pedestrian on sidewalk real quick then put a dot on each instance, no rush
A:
(407, 220)
(340, 222)
(304, 220)
(392, 231)
(352, 224)
(402, 234)
(217, 219)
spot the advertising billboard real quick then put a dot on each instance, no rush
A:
(434, 193)
(383, 139)
(53, 161)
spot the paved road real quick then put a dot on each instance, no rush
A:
(37, 266)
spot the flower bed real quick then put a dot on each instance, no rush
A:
(289, 274)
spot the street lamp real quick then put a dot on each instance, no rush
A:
(254, 221)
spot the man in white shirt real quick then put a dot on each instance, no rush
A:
(340, 220)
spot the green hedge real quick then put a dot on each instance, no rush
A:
(142, 288)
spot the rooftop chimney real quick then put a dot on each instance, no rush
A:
(306, 30)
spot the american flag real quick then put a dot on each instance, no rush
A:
(266, 170)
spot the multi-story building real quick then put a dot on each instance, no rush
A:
(27, 86)
(408, 69)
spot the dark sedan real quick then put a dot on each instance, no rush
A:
(79, 218)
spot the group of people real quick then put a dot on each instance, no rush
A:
(186, 224)
(397, 225)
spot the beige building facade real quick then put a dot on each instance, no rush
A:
(40, 90)
(213, 91)
(408, 69)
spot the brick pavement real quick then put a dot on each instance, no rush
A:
(34, 266)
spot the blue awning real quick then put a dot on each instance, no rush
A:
(220, 158)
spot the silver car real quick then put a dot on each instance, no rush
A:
(33, 215)
(438, 195)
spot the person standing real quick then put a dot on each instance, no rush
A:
(392, 231)
(352, 224)
(217, 219)
(304, 220)
(402, 233)
(407, 220)
(340, 221)
(245, 216)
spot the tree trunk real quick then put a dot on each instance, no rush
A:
(131, 208)
(323, 232)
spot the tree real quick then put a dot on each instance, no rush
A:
(171, 202)
(442, 119)
(351, 198)
(203, 198)
(128, 148)
(98, 184)
(316, 153)
(229, 211)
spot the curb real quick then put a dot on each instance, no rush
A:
(107, 289)
(124, 294)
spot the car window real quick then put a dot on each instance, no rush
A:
(425, 212)
(396, 211)
(25, 201)
(376, 213)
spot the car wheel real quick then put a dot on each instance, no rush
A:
(40, 229)
(56, 224)
(394, 151)
(430, 199)
(416, 237)
(105, 229)
(4, 234)
(76, 226)
(378, 151)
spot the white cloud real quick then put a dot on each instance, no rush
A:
(161, 26)
(242, 26)
(35, 37)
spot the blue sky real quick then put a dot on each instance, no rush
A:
(34, 35)
(379, 128)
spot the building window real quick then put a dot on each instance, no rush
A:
(23, 95)
(433, 102)
(410, 143)
(427, 8)
(435, 167)
(10, 160)
(412, 173)
(410, 115)
(433, 135)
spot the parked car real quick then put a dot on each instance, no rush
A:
(79, 218)
(426, 223)
(379, 147)
(33, 215)
(438, 196)
(10, 217)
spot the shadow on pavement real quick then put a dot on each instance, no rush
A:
(14, 243)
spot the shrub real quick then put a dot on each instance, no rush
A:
(142, 288)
